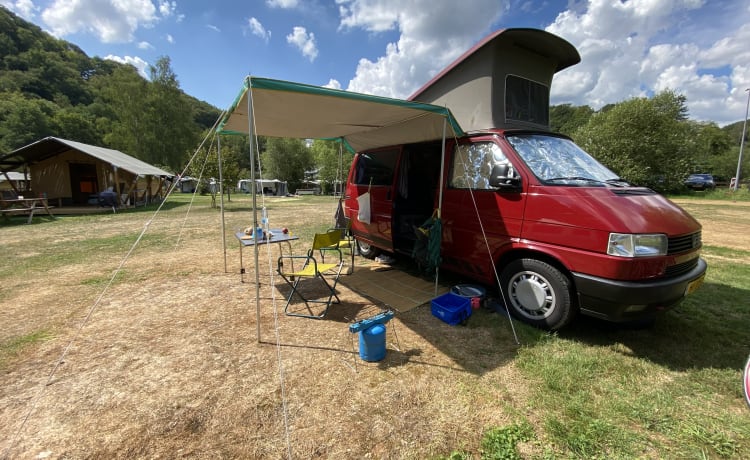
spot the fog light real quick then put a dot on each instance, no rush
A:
(634, 308)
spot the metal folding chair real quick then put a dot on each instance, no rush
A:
(312, 269)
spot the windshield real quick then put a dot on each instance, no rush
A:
(557, 160)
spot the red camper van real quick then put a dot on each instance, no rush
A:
(523, 208)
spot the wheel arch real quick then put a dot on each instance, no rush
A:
(529, 253)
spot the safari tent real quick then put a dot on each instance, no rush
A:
(72, 173)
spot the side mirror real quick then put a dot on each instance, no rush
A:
(500, 180)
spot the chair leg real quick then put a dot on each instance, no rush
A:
(327, 303)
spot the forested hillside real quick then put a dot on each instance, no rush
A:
(50, 87)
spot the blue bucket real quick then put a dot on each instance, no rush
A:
(372, 343)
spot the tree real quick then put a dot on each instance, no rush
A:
(565, 119)
(206, 163)
(77, 124)
(332, 163)
(123, 93)
(708, 142)
(170, 126)
(23, 120)
(286, 160)
(645, 141)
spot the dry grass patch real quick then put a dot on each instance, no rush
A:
(168, 363)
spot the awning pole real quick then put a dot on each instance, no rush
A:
(253, 188)
(440, 198)
(221, 202)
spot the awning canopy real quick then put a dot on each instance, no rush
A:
(53, 146)
(362, 121)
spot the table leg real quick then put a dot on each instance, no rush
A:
(31, 212)
(242, 266)
(46, 208)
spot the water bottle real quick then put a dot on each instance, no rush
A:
(264, 219)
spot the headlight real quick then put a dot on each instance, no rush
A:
(629, 245)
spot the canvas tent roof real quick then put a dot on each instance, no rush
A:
(52, 146)
(296, 110)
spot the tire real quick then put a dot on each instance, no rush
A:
(367, 251)
(538, 294)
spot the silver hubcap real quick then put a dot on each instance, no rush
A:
(531, 295)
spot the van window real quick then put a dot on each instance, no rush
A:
(473, 163)
(526, 100)
(377, 167)
(559, 161)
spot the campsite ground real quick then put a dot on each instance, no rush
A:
(164, 360)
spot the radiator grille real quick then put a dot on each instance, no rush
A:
(684, 243)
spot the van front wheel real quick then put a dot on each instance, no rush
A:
(537, 293)
(367, 251)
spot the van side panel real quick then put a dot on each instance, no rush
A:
(464, 205)
(373, 172)
(464, 247)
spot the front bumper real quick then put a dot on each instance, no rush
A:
(618, 301)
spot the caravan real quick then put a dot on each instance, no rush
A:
(270, 187)
(521, 207)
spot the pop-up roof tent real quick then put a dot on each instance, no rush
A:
(503, 81)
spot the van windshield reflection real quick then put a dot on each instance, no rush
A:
(559, 161)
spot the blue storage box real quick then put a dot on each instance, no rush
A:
(451, 308)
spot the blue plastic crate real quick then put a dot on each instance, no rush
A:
(451, 308)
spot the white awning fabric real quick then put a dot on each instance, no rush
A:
(362, 121)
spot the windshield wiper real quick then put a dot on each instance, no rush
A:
(617, 182)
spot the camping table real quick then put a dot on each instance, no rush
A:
(248, 240)
(24, 206)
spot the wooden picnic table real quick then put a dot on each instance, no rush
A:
(15, 206)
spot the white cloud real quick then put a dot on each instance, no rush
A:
(432, 34)
(333, 84)
(257, 29)
(170, 39)
(285, 4)
(640, 47)
(24, 8)
(141, 65)
(145, 46)
(111, 21)
(304, 41)
(213, 27)
(167, 8)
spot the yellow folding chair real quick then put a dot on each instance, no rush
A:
(313, 270)
(346, 241)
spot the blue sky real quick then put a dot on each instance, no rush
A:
(699, 48)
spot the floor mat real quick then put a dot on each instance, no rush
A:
(391, 286)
